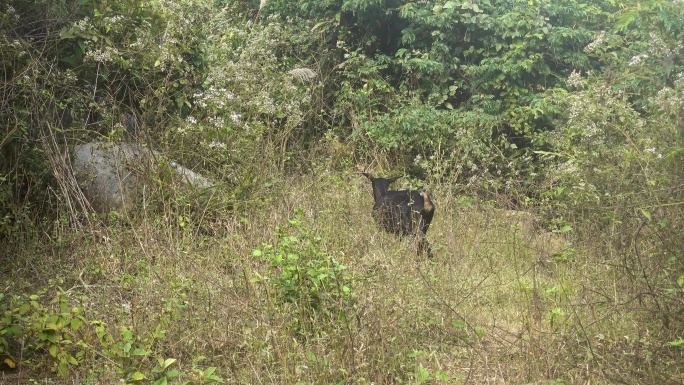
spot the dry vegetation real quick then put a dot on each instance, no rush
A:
(569, 112)
(503, 301)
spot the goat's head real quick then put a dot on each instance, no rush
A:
(380, 185)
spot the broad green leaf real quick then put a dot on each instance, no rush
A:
(137, 376)
(168, 362)
(441, 376)
(76, 324)
(63, 369)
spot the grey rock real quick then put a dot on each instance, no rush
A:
(113, 176)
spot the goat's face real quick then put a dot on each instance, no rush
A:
(380, 186)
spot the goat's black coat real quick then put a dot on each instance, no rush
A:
(404, 212)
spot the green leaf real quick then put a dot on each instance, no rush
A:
(458, 324)
(646, 214)
(422, 375)
(137, 376)
(76, 324)
(626, 19)
(168, 362)
(140, 352)
(63, 369)
(66, 33)
(678, 344)
(439, 375)
(547, 153)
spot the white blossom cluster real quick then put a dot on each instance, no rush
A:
(671, 100)
(164, 57)
(84, 24)
(657, 48)
(11, 13)
(14, 46)
(69, 76)
(594, 118)
(247, 76)
(246, 90)
(637, 59)
(575, 79)
(657, 45)
(114, 23)
(103, 55)
(596, 43)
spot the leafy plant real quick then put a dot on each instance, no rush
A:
(306, 277)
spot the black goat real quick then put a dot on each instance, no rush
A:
(405, 212)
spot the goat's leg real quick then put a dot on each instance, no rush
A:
(424, 247)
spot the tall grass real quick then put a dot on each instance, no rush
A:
(503, 301)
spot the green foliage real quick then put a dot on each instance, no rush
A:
(140, 56)
(305, 276)
(83, 70)
(56, 329)
(572, 108)
(65, 332)
(453, 53)
(252, 104)
(615, 167)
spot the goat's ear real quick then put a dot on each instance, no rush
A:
(393, 179)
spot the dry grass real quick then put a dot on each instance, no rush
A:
(501, 302)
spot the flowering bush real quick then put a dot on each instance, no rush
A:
(248, 105)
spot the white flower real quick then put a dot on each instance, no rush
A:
(575, 79)
(215, 144)
(594, 44)
(637, 59)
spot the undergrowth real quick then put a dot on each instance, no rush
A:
(309, 291)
